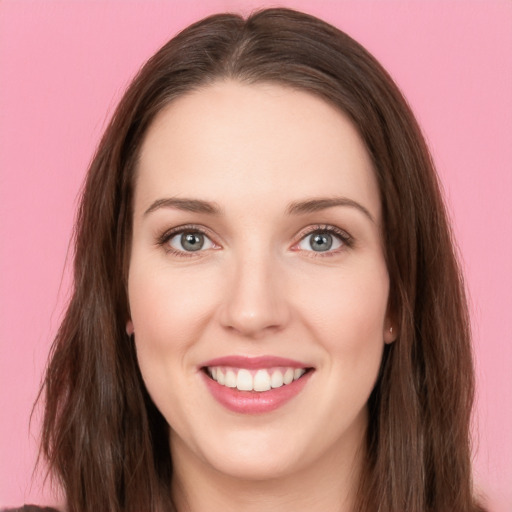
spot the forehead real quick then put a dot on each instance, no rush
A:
(237, 143)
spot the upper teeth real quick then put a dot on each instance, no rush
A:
(254, 380)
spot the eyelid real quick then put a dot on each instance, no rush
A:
(164, 238)
(345, 238)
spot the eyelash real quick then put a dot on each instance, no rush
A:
(346, 240)
(164, 239)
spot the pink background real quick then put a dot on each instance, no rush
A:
(64, 65)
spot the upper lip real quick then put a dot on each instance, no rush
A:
(248, 362)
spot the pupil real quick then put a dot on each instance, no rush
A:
(192, 241)
(321, 242)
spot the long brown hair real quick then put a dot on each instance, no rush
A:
(104, 439)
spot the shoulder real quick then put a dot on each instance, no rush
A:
(29, 508)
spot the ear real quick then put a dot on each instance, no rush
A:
(390, 332)
(129, 328)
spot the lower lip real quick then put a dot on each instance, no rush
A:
(255, 402)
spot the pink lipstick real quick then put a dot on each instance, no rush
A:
(254, 385)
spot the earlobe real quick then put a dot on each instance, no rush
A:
(390, 334)
(129, 328)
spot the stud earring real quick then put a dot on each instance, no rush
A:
(391, 330)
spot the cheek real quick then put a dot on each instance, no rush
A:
(169, 311)
(347, 309)
(167, 307)
(346, 315)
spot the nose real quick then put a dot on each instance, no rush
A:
(255, 300)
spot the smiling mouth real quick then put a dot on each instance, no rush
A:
(257, 380)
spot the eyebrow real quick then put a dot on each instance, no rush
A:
(295, 208)
(185, 204)
(319, 204)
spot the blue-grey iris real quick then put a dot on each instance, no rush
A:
(321, 242)
(192, 241)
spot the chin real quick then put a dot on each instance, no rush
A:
(252, 455)
(263, 467)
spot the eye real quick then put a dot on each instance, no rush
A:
(190, 241)
(324, 240)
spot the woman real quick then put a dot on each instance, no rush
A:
(267, 309)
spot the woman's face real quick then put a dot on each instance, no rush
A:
(257, 259)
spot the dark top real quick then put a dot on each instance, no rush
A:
(30, 508)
